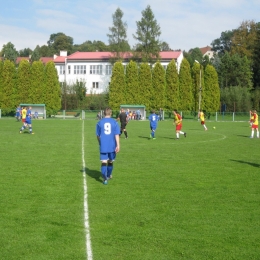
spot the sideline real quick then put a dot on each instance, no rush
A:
(86, 215)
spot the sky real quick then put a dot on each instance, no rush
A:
(184, 24)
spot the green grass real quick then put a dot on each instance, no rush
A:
(195, 198)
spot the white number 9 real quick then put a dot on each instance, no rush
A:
(107, 128)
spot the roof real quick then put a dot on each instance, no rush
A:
(132, 106)
(46, 59)
(205, 49)
(32, 105)
(105, 55)
(19, 59)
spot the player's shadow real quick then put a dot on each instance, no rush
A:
(144, 137)
(244, 136)
(167, 137)
(249, 163)
(93, 174)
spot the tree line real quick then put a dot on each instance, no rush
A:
(159, 88)
(236, 59)
(34, 83)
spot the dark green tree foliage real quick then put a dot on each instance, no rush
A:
(91, 46)
(60, 42)
(256, 98)
(25, 52)
(172, 87)
(195, 54)
(236, 98)
(23, 85)
(37, 82)
(36, 55)
(197, 86)
(158, 83)
(185, 86)
(256, 59)
(132, 83)
(235, 71)
(145, 86)
(211, 91)
(117, 88)
(45, 51)
(8, 88)
(80, 91)
(118, 36)
(1, 81)
(164, 46)
(52, 91)
(147, 35)
(9, 52)
(224, 43)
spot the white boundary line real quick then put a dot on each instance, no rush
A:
(86, 215)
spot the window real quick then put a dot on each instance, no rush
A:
(69, 69)
(62, 69)
(80, 69)
(95, 69)
(108, 69)
(94, 84)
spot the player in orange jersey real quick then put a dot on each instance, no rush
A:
(178, 123)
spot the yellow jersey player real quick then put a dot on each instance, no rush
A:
(201, 116)
(254, 126)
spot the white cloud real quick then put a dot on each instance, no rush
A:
(21, 37)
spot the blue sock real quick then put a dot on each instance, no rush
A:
(104, 170)
(109, 169)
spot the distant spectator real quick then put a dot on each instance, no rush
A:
(36, 115)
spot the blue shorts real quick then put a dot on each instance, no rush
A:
(28, 121)
(108, 156)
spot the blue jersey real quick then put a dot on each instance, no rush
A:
(106, 129)
(153, 118)
(28, 117)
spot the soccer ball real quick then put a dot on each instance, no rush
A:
(214, 127)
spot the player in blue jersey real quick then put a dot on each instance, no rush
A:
(107, 132)
(18, 113)
(153, 118)
(28, 121)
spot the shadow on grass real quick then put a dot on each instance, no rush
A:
(144, 137)
(93, 174)
(247, 136)
(249, 163)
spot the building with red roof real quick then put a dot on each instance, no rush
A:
(95, 68)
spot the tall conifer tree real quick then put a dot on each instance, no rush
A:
(158, 79)
(185, 89)
(23, 82)
(1, 81)
(132, 83)
(9, 101)
(172, 87)
(211, 93)
(118, 36)
(52, 90)
(147, 34)
(117, 87)
(145, 85)
(37, 82)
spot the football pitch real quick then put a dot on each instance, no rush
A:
(194, 198)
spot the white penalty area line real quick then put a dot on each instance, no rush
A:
(86, 215)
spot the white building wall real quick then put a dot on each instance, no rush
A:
(102, 80)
